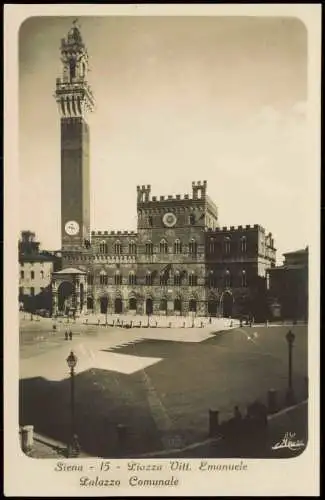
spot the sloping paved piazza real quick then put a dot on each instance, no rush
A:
(159, 383)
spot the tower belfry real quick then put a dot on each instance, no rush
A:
(74, 98)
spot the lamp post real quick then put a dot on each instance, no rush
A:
(290, 337)
(73, 448)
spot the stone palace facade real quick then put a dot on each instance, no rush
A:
(178, 261)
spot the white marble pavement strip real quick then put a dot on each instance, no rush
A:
(52, 364)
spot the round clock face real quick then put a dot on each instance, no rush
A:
(169, 219)
(72, 228)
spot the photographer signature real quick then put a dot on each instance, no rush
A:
(289, 441)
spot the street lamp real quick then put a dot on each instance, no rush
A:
(73, 448)
(290, 337)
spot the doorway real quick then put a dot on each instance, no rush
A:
(118, 306)
(227, 303)
(177, 305)
(192, 305)
(132, 304)
(212, 307)
(149, 307)
(103, 305)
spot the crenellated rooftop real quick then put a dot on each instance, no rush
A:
(236, 228)
(199, 189)
(114, 233)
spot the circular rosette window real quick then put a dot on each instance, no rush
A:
(169, 219)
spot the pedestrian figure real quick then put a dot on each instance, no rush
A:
(70, 335)
(210, 320)
(66, 335)
(241, 322)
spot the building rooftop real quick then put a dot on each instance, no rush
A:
(37, 257)
(70, 270)
(301, 251)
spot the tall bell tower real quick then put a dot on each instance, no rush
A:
(74, 97)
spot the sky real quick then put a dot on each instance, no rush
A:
(178, 99)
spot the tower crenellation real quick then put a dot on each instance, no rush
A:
(73, 93)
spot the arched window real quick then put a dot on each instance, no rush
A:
(149, 248)
(227, 243)
(227, 278)
(118, 278)
(103, 247)
(132, 248)
(177, 246)
(192, 248)
(177, 278)
(163, 246)
(90, 279)
(191, 219)
(243, 278)
(212, 246)
(212, 279)
(192, 279)
(132, 278)
(103, 278)
(149, 278)
(117, 248)
(243, 244)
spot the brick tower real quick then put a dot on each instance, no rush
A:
(74, 97)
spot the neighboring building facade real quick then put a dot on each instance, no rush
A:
(179, 260)
(288, 286)
(35, 272)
